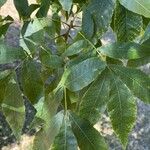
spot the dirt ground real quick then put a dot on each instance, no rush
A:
(9, 9)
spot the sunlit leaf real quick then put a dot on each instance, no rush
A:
(79, 76)
(121, 109)
(141, 7)
(95, 99)
(136, 80)
(127, 25)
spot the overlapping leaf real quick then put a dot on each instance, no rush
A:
(4, 79)
(45, 137)
(141, 7)
(75, 48)
(127, 25)
(65, 140)
(95, 99)
(136, 80)
(13, 107)
(129, 50)
(121, 109)
(49, 60)
(97, 17)
(9, 54)
(79, 76)
(31, 81)
(66, 4)
(87, 136)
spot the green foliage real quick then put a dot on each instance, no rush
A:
(71, 80)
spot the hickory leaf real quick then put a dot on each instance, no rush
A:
(127, 25)
(121, 108)
(79, 76)
(136, 80)
(141, 7)
(13, 108)
(95, 98)
(87, 136)
(97, 17)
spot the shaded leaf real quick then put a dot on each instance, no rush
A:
(13, 108)
(42, 12)
(87, 136)
(141, 7)
(9, 54)
(2, 2)
(45, 137)
(49, 60)
(22, 7)
(79, 76)
(4, 79)
(121, 108)
(31, 81)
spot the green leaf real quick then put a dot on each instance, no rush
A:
(2, 2)
(13, 108)
(65, 140)
(138, 62)
(95, 98)
(88, 137)
(127, 25)
(49, 60)
(146, 35)
(9, 54)
(121, 109)
(66, 4)
(79, 76)
(97, 17)
(37, 25)
(129, 50)
(136, 80)
(22, 7)
(45, 137)
(31, 81)
(4, 79)
(141, 7)
(76, 48)
(47, 106)
(42, 12)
